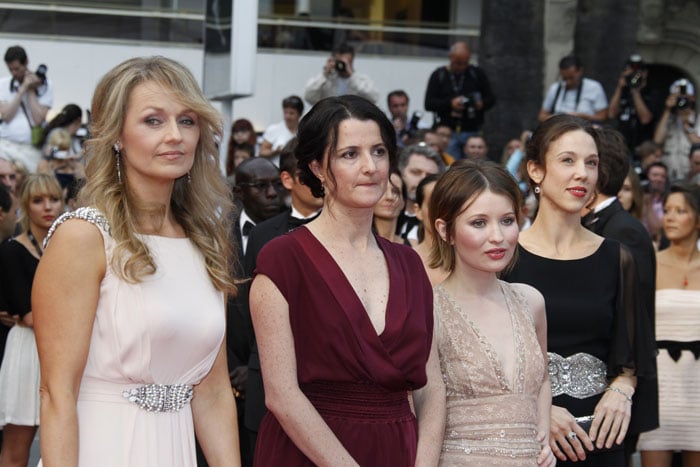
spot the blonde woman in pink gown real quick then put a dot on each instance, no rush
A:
(129, 295)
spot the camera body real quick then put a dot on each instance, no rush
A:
(412, 125)
(634, 80)
(340, 66)
(682, 102)
(636, 64)
(469, 102)
(41, 73)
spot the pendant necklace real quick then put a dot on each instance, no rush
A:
(687, 267)
(34, 242)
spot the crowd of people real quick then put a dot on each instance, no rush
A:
(353, 288)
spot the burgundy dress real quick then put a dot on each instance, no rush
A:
(357, 380)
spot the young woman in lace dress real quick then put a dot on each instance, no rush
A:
(491, 335)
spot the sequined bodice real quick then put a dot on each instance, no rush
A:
(486, 417)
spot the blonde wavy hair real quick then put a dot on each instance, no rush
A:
(202, 206)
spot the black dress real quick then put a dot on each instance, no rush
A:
(590, 304)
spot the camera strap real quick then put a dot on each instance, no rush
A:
(26, 114)
(556, 96)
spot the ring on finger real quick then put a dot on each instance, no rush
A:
(572, 435)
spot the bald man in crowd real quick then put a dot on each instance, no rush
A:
(459, 94)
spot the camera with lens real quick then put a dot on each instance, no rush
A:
(412, 126)
(41, 73)
(340, 66)
(682, 102)
(469, 102)
(636, 64)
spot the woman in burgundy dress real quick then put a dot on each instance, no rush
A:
(343, 318)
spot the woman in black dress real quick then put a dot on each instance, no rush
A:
(597, 347)
(41, 202)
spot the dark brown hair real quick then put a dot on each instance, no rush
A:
(318, 133)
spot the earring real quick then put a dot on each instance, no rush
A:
(118, 154)
(189, 177)
(537, 189)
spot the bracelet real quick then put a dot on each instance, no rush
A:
(619, 391)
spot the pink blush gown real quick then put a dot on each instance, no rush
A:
(166, 330)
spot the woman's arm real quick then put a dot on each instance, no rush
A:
(64, 300)
(544, 398)
(429, 402)
(299, 419)
(613, 412)
(214, 414)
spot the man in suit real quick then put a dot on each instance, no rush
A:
(609, 219)
(259, 194)
(304, 208)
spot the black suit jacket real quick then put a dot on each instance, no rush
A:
(616, 223)
(255, 393)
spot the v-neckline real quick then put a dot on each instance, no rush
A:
(349, 286)
(494, 357)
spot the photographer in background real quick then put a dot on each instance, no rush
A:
(459, 94)
(633, 105)
(25, 99)
(338, 78)
(678, 129)
(574, 95)
(397, 102)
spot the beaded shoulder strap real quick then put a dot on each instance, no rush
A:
(89, 214)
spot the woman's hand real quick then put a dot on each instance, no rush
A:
(546, 457)
(567, 439)
(612, 416)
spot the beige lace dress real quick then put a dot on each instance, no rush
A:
(489, 423)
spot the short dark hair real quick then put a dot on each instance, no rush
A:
(318, 133)
(344, 48)
(247, 147)
(288, 160)
(690, 192)
(420, 189)
(569, 61)
(656, 164)
(16, 53)
(293, 102)
(614, 160)
(397, 93)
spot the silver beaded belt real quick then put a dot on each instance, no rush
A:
(580, 375)
(160, 397)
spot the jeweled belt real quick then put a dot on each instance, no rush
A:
(580, 375)
(160, 397)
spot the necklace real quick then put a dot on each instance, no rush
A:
(687, 267)
(34, 242)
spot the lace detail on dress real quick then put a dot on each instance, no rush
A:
(488, 422)
(89, 214)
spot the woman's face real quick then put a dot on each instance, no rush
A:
(241, 136)
(392, 203)
(360, 165)
(485, 233)
(571, 173)
(680, 221)
(43, 209)
(159, 137)
(625, 195)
